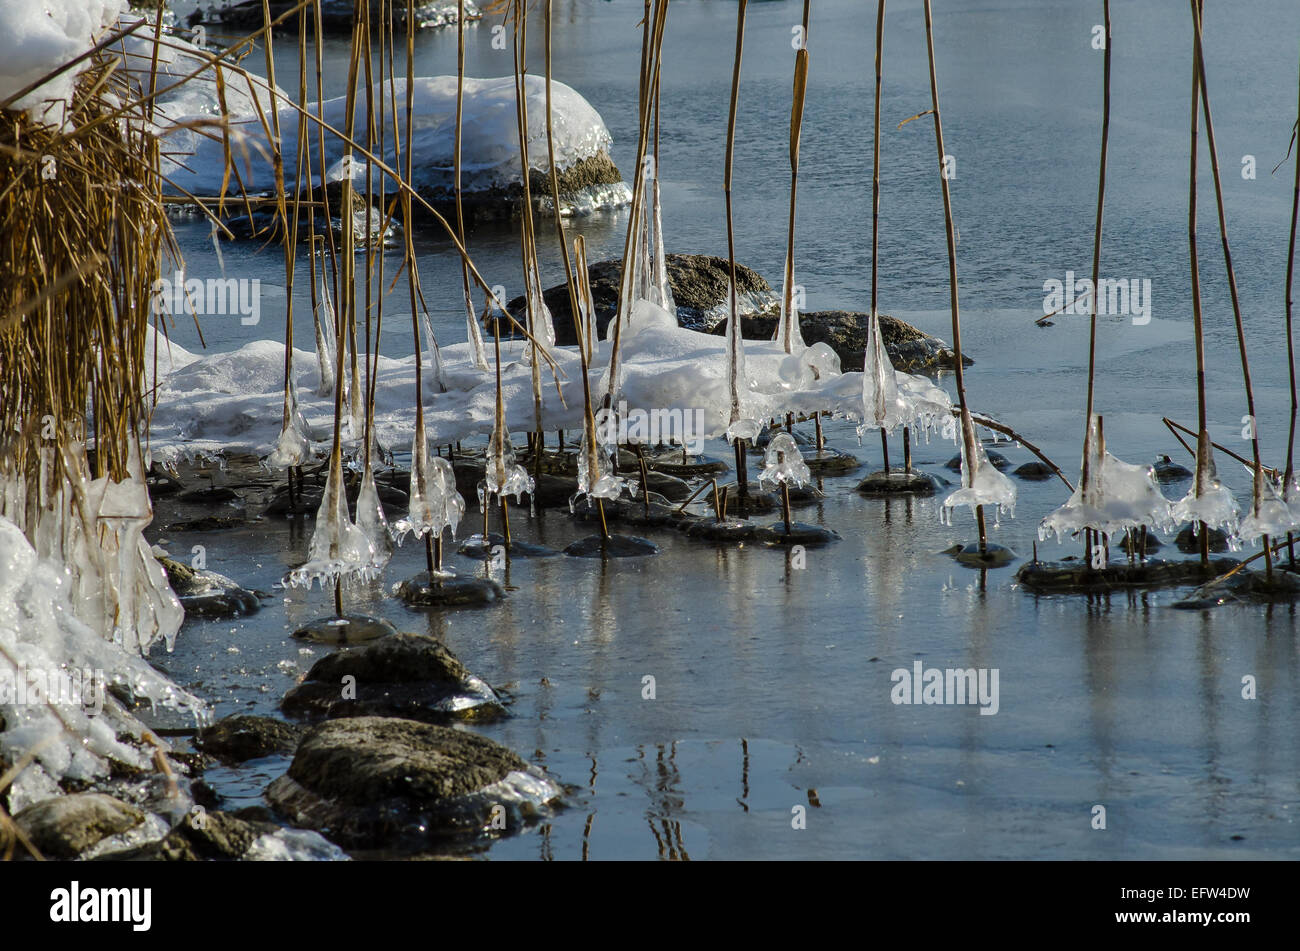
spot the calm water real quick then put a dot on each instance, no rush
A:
(773, 683)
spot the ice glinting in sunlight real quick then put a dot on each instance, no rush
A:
(981, 485)
(1209, 501)
(1112, 497)
(783, 463)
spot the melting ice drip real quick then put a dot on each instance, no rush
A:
(891, 399)
(981, 484)
(783, 463)
(1209, 500)
(339, 549)
(1276, 513)
(502, 475)
(435, 505)
(1114, 497)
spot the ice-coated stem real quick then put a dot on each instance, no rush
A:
(1202, 434)
(788, 333)
(1096, 251)
(1258, 483)
(734, 338)
(967, 427)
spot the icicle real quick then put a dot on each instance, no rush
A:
(372, 522)
(784, 463)
(884, 405)
(478, 354)
(293, 448)
(981, 484)
(661, 287)
(740, 425)
(326, 329)
(338, 548)
(502, 475)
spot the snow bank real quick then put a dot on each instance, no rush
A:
(489, 147)
(38, 36)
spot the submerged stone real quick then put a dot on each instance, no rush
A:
(378, 782)
(684, 466)
(210, 495)
(800, 533)
(348, 629)
(615, 546)
(728, 530)
(1136, 543)
(829, 461)
(413, 676)
(992, 556)
(475, 547)
(899, 482)
(243, 736)
(658, 514)
(1189, 541)
(1034, 472)
(1244, 587)
(1078, 576)
(448, 591)
(1000, 462)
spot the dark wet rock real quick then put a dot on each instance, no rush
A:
(474, 547)
(305, 500)
(754, 502)
(1140, 543)
(1244, 587)
(730, 531)
(161, 484)
(243, 736)
(373, 782)
(210, 495)
(684, 466)
(348, 629)
(1070, 577)
(899, 482)
(991, 556)
(999, 461)
(660, 483)
(700, 290)
(64, 827)
(809, 536)
(1034, 472)
(615, 546)
(831, 462)
(208, 523)
(412, 676)
(660, 513)
(205, 593)
(910, 350)
(448, 591)
(1169, 471)
(207, 836)
(1189, 540)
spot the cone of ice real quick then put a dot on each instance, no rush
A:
(435, 504)
(884, 405)
(1112, 496)
(293, 448)
(1209, 500)
(339, 549)
(326, 331)
(372, 522)
(1271, 516)
(740, 424)
(783, 463)
(502, 475)
(594, 482)
(981, 484)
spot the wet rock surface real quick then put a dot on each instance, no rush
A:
(239, 738)
(1033, 472)
(64, 827)
(899, 482)
(990, 556)
(1189, 540)
(615, 546)
(1077, 576)
(412, 676)
(379, 782)
(1244, 587)
(445, 590)
(348, 629)
(208, 594)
